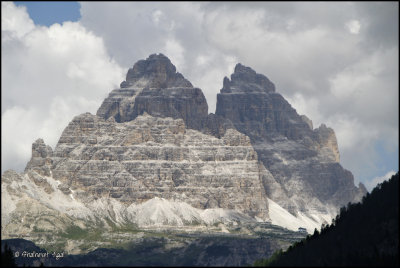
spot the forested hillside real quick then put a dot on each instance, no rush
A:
(363, 234)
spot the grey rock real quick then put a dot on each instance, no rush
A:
(40, 181)
(255, 109)
(159, 157)
(64, 188)
(41, 158)
(303, 163)
(156, 71)
(307, 120)
(153, 86)
(246, 80)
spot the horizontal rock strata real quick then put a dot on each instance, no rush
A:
(158, 157)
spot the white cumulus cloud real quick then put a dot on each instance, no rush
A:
(49, 75)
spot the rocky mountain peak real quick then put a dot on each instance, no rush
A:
(152, 155)
(40, 149)
(157, 71)
(41, 158)
(154, 86)
(362, 188)
(245, 79)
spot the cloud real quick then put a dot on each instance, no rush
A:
(353, 26)
(335, 62)
(17, 25)
(372, 183)
(175, 52)
(49, 75)
(16, 144)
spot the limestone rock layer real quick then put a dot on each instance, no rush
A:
(159, 157)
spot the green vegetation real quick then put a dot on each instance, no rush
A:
(277, 254)
(193, 223)
(74, 232)
(363, 234)
(216, 224)
(38, 230)
(127, 228)
(111, 223)
(150, 247)
(58, 246)
(90, 237)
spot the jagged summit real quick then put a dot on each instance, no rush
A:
(41, 157)
(153, 86)
(246, 101)
(157, 71)
(245, 79)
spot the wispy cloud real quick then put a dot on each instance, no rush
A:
(372, 183)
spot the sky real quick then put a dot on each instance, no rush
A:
(336, 62)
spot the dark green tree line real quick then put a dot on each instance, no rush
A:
(363, 234)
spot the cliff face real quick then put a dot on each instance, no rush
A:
(153, 156)
(304, 161)
(249, 100)
(154, 86)
(159, 157)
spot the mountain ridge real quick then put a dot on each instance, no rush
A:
(153, 140)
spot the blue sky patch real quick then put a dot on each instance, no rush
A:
(48, 13)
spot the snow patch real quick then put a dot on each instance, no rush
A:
(282, 217)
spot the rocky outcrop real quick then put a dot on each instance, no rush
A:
(41, 158)
(246, 80)
(153, 86)
(156, 71)
(326, 139)
(249, 100)
(303, 162)
(159, 157)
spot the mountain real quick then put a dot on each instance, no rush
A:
(154, 86)
(307, 177)
(152, 157)
(363, 234)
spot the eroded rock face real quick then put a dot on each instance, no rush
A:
(246, 80)
(153, 86)
(41, 158)
(304, 162)
(249, 100)
(159, 157)
(156, 71)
